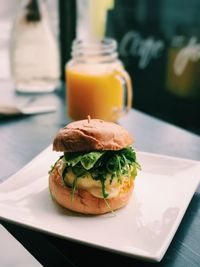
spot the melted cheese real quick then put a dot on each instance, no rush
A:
(91, 185)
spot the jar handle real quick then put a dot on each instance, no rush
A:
(125, 81)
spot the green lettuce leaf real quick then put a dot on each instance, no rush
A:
(73, 158)
(89, 160)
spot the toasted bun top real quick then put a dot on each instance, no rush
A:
(86, 135)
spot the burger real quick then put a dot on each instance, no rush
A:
(96, 171)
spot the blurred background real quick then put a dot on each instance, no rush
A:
(158, 43)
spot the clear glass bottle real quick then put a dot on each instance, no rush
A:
(97, 84)
(34, 54)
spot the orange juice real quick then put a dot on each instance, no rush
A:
(97, 84)
(94, 93)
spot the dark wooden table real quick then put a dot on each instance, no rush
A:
(23, 138)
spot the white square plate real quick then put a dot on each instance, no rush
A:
(143, 229)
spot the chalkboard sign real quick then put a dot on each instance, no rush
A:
(159, 44)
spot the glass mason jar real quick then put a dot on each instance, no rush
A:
(34, 54)
(183, 75)
(97, 84)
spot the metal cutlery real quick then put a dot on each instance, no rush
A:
(11, 110)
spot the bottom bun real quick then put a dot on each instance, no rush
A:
(83, 201)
